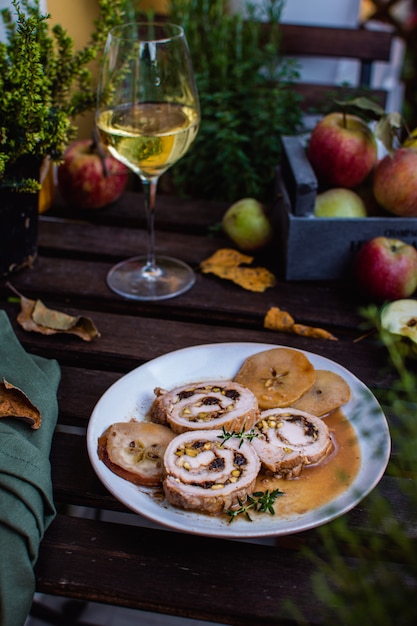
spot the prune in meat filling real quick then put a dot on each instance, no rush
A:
(198, 444)
(186, 393)
(232, 394)
(206, 485)
(309, 428)
(210, 400)
(217, 464)
(239, 460)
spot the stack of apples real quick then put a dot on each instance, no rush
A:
(343, 153)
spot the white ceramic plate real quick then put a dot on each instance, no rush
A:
(131, 396)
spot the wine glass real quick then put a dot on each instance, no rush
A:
(148, 116)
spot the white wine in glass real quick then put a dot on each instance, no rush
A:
(148, 116)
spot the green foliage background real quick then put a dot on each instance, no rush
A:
(370, 576)
(44, 84)
(246, 98)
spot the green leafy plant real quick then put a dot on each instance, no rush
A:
(44, 84)
(370, 577)
(246, 96)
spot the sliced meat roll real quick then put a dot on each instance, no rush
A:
(289, 439)
(206, 405)
(203, 472)
(135, 451)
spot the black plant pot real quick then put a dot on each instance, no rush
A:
(19, 218)
(18, 230)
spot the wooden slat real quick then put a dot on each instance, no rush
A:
(79, 391)
(354, 43)
(231, 582)
(365, 46)
(331, 41)
(137, 567)
(95, 241)
(318, 97)
(141, 339)
(196, 216)
(73, 279)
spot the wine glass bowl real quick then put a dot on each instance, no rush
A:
(148, 116)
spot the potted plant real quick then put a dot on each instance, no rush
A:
(44, 85)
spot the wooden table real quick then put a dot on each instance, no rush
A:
(153, 568)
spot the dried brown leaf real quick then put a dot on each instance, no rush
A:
(310, 331)
(15, 403)
(276, 319)
(226, 257)
(34, 316)
(226, 263)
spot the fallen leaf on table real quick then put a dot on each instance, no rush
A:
(34, 316)
(226, 263)
(311, 331)
(15, 403)
(276, 319)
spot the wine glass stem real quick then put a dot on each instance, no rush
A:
(150, 270)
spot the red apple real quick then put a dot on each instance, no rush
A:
(88, 179)
(386, 269)
(395, 182)
(342, 150)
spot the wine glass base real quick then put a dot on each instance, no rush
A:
(128, 279)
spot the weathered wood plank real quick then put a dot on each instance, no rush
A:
(127, 341)
(354, 43)
(136, 567)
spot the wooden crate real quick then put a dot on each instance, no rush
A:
(313, 248)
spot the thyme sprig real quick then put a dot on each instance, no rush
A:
(241, 434)
(259, 501)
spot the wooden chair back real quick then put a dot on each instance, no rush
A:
(361, 44)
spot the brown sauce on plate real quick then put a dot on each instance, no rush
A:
(318, 484)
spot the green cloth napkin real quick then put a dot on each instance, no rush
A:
(26, 501)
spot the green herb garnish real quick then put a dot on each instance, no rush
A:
(242, 435)
(259, 501)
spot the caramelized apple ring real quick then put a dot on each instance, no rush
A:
(134, 450)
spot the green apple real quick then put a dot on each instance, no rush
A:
(247, 225)
(400, 319)
(339, 202)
